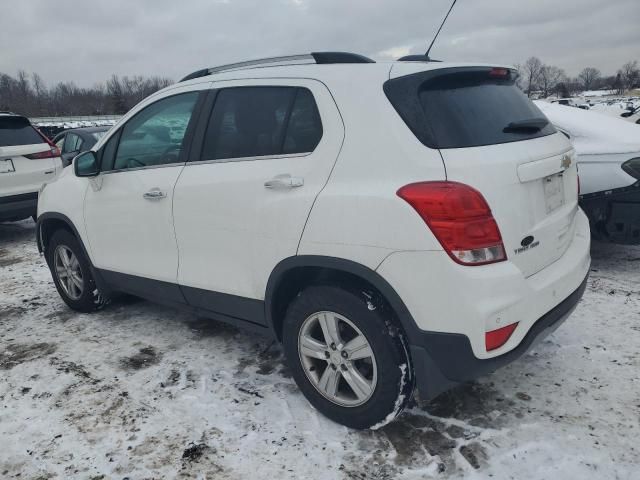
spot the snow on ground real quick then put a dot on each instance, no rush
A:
(141, 391)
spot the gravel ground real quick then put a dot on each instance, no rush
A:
(141, 391)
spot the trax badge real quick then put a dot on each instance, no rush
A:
(566, 162)
(527, 243)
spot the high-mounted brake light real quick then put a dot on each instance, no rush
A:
(499, 72)
(52, 152)
(497, 338)
(460, 218)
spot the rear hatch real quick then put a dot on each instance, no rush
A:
(493, 138)
(26, 159)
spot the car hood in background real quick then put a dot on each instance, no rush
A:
(593, 133)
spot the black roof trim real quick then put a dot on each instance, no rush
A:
(197, 74)
(339, 57)
(417, 58)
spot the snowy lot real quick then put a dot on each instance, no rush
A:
(140, 391)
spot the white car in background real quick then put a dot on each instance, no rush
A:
(27, 160)
(609, 165)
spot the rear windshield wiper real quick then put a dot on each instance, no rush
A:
(528, 125)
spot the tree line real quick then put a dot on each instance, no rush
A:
(28, 95)
(544, 80)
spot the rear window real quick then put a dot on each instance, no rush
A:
(466, 107)
(17, 131)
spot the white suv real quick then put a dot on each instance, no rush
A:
(27, 160)
(392, 224)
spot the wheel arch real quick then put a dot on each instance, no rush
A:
(47, 224)
(293, 274)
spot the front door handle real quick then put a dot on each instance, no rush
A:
(284, 181)
(154, 194)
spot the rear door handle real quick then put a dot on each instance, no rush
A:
(284, 181)
(154, 194)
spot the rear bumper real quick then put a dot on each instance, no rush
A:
(614, 215)
(17, 207)
(449, 308)
(443, 360)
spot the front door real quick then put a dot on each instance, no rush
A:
(128, 207)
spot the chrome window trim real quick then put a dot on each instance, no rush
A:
(250, 159)
(148, 167)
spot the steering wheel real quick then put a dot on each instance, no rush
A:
(171, 154)
(134, 163)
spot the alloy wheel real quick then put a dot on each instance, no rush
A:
(337, 359)
(68, 271)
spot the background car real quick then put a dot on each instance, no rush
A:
(609, 165)
(71, 142)
(27, 160)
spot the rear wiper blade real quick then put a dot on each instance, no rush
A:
(530, 124)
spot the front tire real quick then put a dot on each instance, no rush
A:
(348, 362)
(71, 273)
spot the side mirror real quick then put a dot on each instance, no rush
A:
(86, 165)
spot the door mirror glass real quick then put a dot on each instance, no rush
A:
(86, 165)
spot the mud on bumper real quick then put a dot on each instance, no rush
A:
(443, 360)
(614, 215)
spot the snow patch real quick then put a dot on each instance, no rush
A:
(399, 401)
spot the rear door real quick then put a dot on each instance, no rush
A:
(19, 173)
(266, 152)
(492, 137)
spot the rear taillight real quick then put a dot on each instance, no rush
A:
(496, 338)
(53, 150)
(460, 218)
(50, 153)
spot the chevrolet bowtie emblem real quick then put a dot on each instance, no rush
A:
(566, 162)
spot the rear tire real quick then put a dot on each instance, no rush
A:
(361, 376)
(72, 274)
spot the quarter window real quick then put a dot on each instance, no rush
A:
(262, 121)
(155, 135)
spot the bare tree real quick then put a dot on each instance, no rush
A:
(588, 77)
(629, 75)
(28, 95)
(550, 77)
(531, 74)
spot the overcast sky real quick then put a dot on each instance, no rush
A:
(86, 41)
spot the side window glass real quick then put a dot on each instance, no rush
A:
(60, 143)
(248, 122)
(305, 128)
(154, 136)
(71, 142)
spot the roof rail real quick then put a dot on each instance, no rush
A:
(302, 59)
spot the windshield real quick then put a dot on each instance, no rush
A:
(98, 135)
